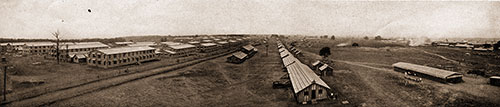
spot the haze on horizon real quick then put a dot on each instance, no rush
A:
(116, 18)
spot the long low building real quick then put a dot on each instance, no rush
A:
(429, 72)
(306, 85)
(113, 57)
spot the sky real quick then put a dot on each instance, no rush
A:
(117, 18)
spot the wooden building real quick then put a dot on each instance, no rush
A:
(113, 57)
(38, 47)
(249, 50)
(120, 44)
(325, 70)
(183, 50)
(78, 57)
(141, 44)
(495, 80)
(307, 86)
(237, 58)
(68, 50)
(208, 48)
(429, 72)
(12, 47)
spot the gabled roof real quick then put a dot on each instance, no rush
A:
(208, 44)
(78, 55)
(143, 44)
(170, 43)
(13, 43)
(302, 77)
(316, 63)
(325, 66)
(222, 42)
(182, 46)
(248, 47)
(284, 53)
(194, 42)
(443, 74)
(124, 49)
(120, 43)
(206, 40)
(83, 45)
(232, 41)
(290, 60)
(239, 55)
(281, 50)
(40, 43)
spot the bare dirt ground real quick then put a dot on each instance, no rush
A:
(363, 76)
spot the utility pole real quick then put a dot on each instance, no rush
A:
(5, 83)
(4, 62)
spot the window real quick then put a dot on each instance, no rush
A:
(320, 91)
(306, 93)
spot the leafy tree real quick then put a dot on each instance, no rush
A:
(333, 37)
(366, 38)
(378, 37)
(325, 52)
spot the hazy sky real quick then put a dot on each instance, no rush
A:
(114, 18)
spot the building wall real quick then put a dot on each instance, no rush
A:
(37, 49)
(63, 53)
(306, 94)
(102, 60)
(185, 52)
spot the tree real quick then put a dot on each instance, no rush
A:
(378, 37)
(325, 52)
(366, 38)
(56, 35)
(333, 37)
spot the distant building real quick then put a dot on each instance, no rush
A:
(141, 44)
(113, 57)
(325, 70)
(208, 48)
(119, 44)
(429, 72)
(38, 47)
(249, 50)
(68, 50)
(183, 50)
(12, 47)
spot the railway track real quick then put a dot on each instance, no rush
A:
(50, 97)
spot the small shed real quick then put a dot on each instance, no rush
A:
(325, 70)
(429, 72)
(317, 64)
(495, 80)
(237, 58)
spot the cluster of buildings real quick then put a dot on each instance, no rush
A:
(246, 52)
(123, 53)
(307, 86)
(475, 46)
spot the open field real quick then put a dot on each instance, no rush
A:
(364, 76)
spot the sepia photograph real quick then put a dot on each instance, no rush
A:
(249, 53)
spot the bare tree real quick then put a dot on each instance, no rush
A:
(56, 35)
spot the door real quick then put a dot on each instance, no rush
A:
(313, 94)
